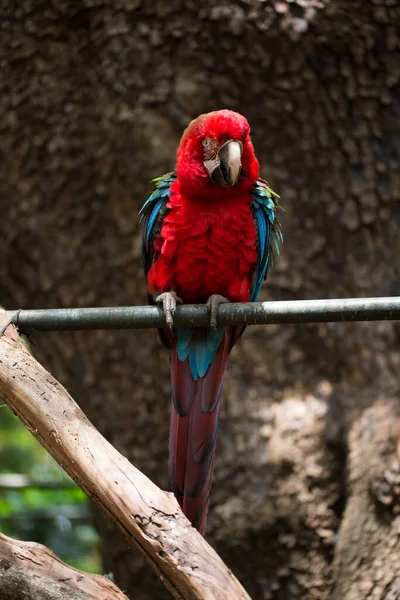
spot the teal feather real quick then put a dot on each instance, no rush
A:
(199, 346)
(151, 208)
(150, 212)
(263, 206)
(184, 334)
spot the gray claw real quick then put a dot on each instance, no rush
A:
(169, 300)
(212, 304)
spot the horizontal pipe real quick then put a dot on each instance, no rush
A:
(251, 313)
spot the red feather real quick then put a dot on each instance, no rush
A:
(208, 249)
(193, 432)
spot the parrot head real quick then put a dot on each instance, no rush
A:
(216, 154)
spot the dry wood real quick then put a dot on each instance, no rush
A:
(149, 517)
(32, 571)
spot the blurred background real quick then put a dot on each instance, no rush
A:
(94, 96)
(39, 502)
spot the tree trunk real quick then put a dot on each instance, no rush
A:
(94, 97)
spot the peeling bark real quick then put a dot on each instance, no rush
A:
(94, 98)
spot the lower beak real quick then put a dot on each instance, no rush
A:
(225, 169)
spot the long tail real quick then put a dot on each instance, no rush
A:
(193, 432)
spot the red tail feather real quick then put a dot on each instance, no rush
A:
(193, 431)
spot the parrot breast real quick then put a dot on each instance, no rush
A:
(205, 248)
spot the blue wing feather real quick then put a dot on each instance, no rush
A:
(153, 217)
(269, 231)
(150, 213)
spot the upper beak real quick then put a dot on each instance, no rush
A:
(225, 168)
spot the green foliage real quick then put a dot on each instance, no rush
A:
(58, 517)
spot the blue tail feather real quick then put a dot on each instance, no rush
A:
(200, 346)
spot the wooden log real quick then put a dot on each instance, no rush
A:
(31, 571)
(150, 518)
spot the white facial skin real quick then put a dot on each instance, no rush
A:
(223, 163)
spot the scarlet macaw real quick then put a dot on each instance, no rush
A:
(208, 230)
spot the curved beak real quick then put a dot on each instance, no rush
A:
(225, 168)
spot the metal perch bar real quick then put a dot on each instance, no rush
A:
(251, 313)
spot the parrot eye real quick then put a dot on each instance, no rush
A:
(207, 143)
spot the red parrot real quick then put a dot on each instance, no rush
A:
(208, 230)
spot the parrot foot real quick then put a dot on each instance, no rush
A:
(212, 305)
(169, 300)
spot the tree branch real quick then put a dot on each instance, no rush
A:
(149, 517)
(36, 572)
